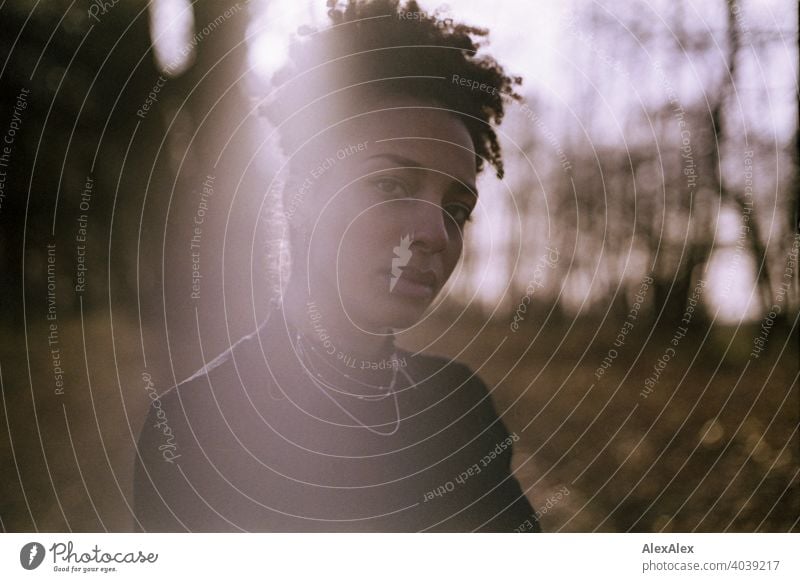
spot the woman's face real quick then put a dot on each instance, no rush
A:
(384, 208)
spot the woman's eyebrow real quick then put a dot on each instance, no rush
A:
(409, 163)
(398, 159)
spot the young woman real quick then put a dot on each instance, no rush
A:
(317, 421)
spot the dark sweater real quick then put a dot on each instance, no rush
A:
(231, 450)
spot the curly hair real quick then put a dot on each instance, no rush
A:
(390, 47)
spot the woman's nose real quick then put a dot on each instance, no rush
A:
(430, 229)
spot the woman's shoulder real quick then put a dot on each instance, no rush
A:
(442, 368)
(460, 389)
(197, 405)
(234, 364)
(456, 376)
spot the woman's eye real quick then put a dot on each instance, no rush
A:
(460, 213)
(391, 186)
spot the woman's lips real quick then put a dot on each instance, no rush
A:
(416, 283)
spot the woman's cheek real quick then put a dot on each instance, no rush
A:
(363, 247)
(371, 226)
(452, 255)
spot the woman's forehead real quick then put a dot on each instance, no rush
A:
(447, 160)
(426, 137)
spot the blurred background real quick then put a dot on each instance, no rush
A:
(629, 291)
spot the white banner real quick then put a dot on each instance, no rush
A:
(399, 557)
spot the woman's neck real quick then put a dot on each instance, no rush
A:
(320, 319)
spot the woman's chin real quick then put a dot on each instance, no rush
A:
(393, 311)
(404, 311)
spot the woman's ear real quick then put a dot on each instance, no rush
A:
(295, 211)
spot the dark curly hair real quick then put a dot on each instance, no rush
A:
(392, 48)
